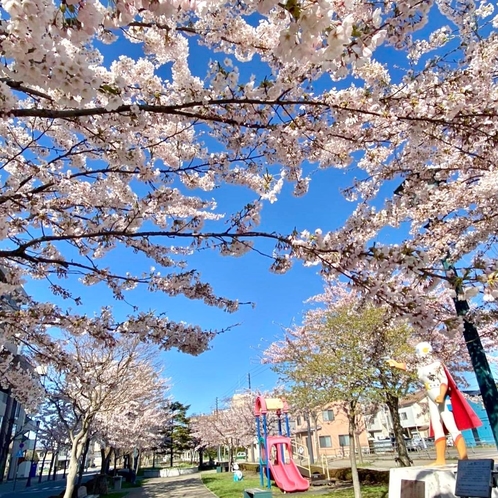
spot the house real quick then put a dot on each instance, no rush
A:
(413, 415)
(328, 431)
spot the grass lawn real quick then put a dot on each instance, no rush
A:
(125, 486)
(223, 486)
(137, 484)
(366, 492)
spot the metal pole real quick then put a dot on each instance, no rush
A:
(287, 426)
(28, 482)
(267, 452)
(258, 431)
(16, 465)
(484, 376)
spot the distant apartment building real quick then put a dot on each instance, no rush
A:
(14, 424)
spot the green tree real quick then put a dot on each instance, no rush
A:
(177, 434)
(341, 351)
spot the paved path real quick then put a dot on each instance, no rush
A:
(188, 486)
(423, 457)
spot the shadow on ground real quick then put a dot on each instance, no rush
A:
(172, 487)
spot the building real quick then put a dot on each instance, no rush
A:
(481, 435)
(413, 415)
(328, 431)
(15, 426)
(414, 419)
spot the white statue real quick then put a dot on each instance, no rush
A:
(441, 392)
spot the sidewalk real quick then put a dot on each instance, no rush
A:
(420, 458)
(188, 486)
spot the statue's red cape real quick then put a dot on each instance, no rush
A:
(465, 416)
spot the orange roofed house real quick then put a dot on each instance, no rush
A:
(328, 427)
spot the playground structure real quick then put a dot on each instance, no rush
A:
(276, 451)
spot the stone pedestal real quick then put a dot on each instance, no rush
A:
(425, 482)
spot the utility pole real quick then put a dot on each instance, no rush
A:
(484, 376)
(249, 380)
(219, 446)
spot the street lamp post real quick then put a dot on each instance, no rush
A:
(485, 380)
(28, 482)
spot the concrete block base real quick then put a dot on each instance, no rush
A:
(425, 482)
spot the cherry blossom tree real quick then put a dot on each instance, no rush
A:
(104, 152)
(232, 427)
(52, 435)
(135, 424)
(302, 399)
(102, 382)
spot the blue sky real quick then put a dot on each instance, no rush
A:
(279, 299)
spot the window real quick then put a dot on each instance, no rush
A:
(328, 415)
(325, 442)
(298, 420)
(403, 416)
(344, 440)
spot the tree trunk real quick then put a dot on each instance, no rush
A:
(40, 476)
(107, 461)
(56, 459)
(314, 416)
(77, 444)
(102, 460)
(352, 450)
(136, 463)
(358, 446)
(393, 405)
(52, 460)
(82, 463)
(309, 439)
(230, 452)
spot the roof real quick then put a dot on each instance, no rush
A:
(412, 398)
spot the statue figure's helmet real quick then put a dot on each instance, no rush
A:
(423, 349)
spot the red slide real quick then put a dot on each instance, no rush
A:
(285, 473)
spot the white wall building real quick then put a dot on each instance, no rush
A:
(14, 424)
(413, 414)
